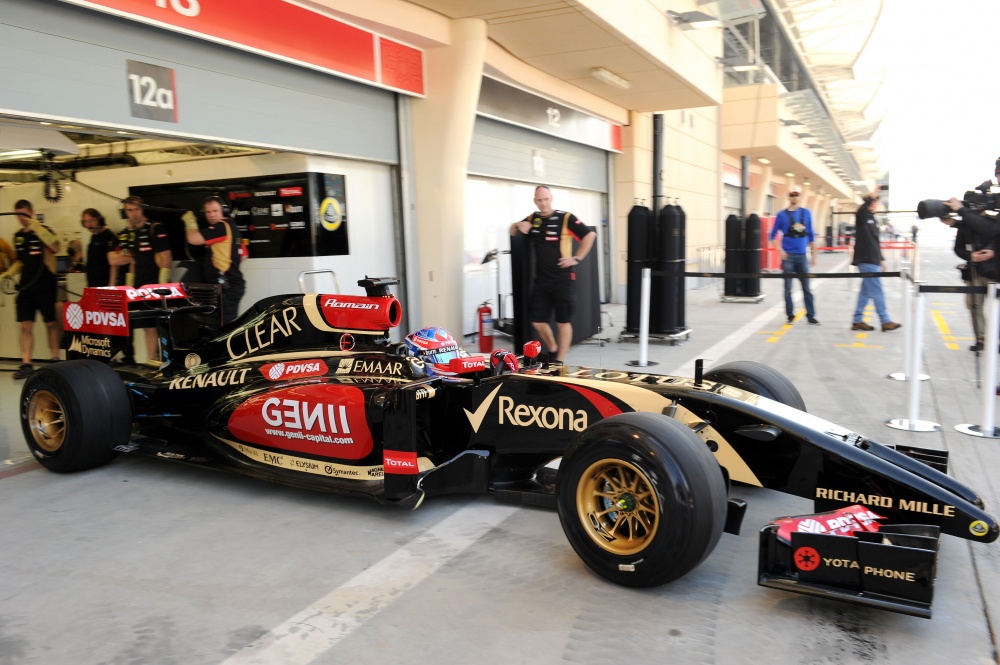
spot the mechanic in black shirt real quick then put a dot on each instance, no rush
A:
(551, 232)
(36, 246)
(103, 257)
(221, 264)
(148, 248)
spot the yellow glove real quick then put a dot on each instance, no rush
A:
(164, 275)
(130, 279)
(46, 236)
(190, 221)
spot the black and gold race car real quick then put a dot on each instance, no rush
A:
(309, 390)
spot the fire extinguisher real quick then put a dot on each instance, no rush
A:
(485, 316)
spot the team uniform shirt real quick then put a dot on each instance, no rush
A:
(222, 262)
(38, 262)
(796, 230)
(98, 268)
(144, 244)
(551, 244)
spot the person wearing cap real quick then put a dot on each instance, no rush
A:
(796, 250)
(868, 259)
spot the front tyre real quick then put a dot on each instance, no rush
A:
(641, 499)
(758, 378)
(74, 413)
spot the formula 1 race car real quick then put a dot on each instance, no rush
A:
(309, 390)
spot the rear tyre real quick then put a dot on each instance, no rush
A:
(641, 499)
(74, 413)
(758, 378)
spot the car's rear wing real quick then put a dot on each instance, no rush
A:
(97, 325)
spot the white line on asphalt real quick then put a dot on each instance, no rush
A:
(749, 329)
(319, 627)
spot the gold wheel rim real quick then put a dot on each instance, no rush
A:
(618, 506)
(47, 420)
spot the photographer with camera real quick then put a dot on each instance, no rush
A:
(977, 232)
(978, 270)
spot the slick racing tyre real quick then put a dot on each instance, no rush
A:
(74, 413)
(758, 378)
(641, 499)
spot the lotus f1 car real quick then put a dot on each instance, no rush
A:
(308, 390)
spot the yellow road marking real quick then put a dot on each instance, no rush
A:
(776, 334)
(940, 322)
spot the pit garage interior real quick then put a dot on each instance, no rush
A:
(150, 561)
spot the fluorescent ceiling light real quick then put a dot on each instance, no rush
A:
(764, 160)
(610, 78)
(789, 174)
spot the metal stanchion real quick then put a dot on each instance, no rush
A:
(909, 293)
(913, 422)
(989, 368)
(643, 360)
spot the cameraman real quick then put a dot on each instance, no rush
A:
(975, 242)
(979, 269)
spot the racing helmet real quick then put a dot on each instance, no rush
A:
(436, 347)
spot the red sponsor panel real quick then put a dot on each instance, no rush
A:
(280, 29)
(99, 312)
(402, 66)
(293, 369)
(323, 420)
(290, 191)
(145, 292)
(399, 462)
(361, 312)
(467, 365)
(841, 522)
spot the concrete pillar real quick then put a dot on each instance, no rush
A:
(442, 135)
(633, 180)
(758, 193)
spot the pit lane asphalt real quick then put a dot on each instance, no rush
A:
(156, 562)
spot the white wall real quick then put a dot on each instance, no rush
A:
(491, 206)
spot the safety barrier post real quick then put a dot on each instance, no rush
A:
(909, 331)
(989, 367)
(643, 360)
(913, 423)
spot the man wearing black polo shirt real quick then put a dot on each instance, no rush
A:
(552, 232)
(36, 247)
(148, 247)
(221, 264)
(102, 249)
